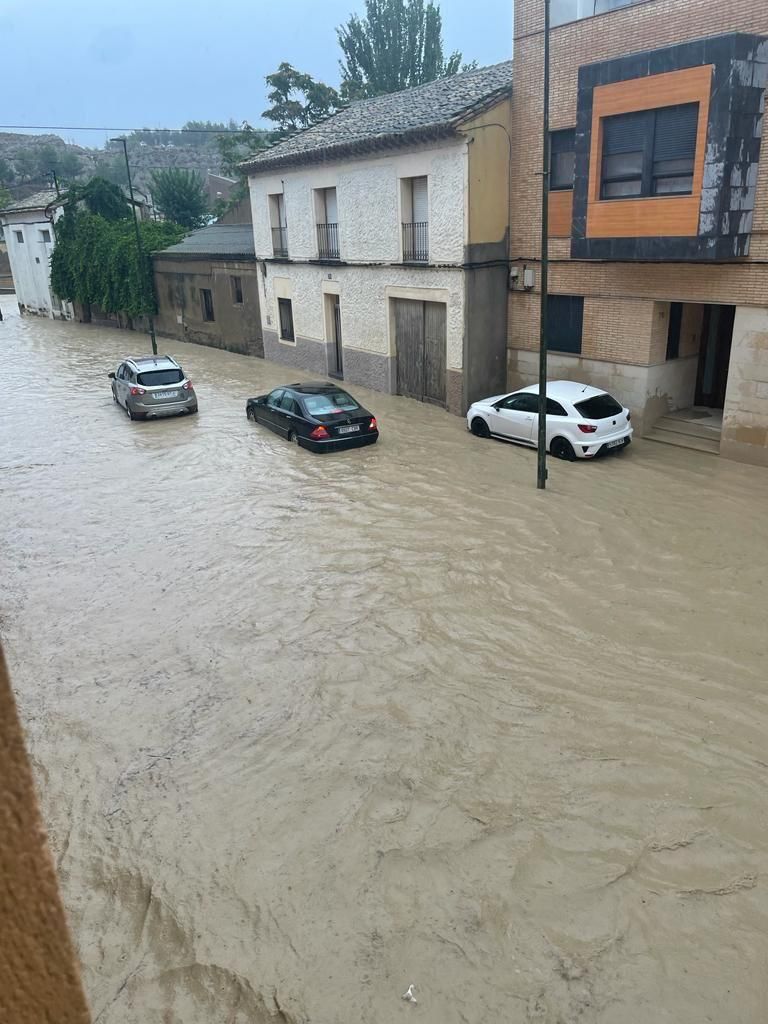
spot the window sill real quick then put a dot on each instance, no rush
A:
(287, 341)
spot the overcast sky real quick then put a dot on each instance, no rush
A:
(158, 63)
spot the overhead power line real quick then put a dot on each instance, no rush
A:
(87, 128)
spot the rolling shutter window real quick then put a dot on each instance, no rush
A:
(331, 210)
(624, 146)
(562, 158)
(420, 201)
(565, 318)
(674, 149)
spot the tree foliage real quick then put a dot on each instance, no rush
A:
(180, 196)
(5, 197)
(398, 44)
(99, 196)
(298, 101)
(96, 261)
(6, 172)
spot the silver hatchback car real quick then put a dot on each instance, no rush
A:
(152, 386)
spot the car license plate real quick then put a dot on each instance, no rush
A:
(166, 394)
(350, 430)
(616, 443)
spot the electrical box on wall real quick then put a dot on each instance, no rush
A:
(529, 279)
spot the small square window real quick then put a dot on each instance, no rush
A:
(285, 312)
(45, 236)
(19, 237)
(236, 285)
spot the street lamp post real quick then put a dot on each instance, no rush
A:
(541, 461)
(139, 247)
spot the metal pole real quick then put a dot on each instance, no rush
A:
(55, 182)
(150, 318)
(541, 461)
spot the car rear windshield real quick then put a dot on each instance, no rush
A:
(329, 403)
(159, 378)
(600, 407)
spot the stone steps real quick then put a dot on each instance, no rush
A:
(693, 428)
(682, 439)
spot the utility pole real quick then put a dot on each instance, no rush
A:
(55, 182)
(541, 461)
(139, 247)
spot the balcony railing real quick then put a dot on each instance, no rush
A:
(279, 241)
(416, 242)
(328, 241)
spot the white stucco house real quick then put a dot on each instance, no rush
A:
(381, 239)
(28, 228)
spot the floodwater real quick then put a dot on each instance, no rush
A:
(310, 729)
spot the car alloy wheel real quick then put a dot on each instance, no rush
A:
(480, 428)
(562, 449)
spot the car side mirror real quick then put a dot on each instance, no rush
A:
(111, 376)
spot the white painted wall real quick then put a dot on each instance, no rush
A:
(364, 297)
(368, 195)
(30, 262)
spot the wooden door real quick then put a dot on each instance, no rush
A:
(420, 339)
(336, 354)
(409, 340)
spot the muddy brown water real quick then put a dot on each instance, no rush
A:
(309, 729)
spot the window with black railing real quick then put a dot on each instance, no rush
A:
(328, 241)
(416, 242)
(279, 241)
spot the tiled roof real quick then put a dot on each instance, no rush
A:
(217, 240)
(427, 111)
(38, 201)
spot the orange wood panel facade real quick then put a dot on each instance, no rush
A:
(560, 213)
(649, 215)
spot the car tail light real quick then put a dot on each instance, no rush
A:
(138, 391)
(187, 385)
(319, 433)
(373, 425)
(587, 428)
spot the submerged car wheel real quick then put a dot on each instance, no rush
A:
(480, 428)
(562, 449)
(129, 412)
(293, 437)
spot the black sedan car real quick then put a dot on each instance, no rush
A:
(321, 417)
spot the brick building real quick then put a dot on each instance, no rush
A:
(658, 211)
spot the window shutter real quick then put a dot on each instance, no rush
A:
(564, 141)
(624, 133)
(420, 201)
(331, 211)
(675, 135)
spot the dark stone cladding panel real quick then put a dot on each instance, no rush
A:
(368, 369)
(734, 131)
(486, 292)
(306, 354)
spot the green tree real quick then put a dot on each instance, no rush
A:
(98, 196)
(111, 167)
(398, 44)
(236, 146)
(6, 172)
(25, 164)
(96, 261)
(298, 101)
(180, 196)
(5, 197)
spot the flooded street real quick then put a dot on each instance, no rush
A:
(309, 729)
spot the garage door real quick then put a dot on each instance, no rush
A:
(420, 343)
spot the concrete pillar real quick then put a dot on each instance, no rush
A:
(745, 416)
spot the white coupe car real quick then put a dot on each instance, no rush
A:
(582, 421)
